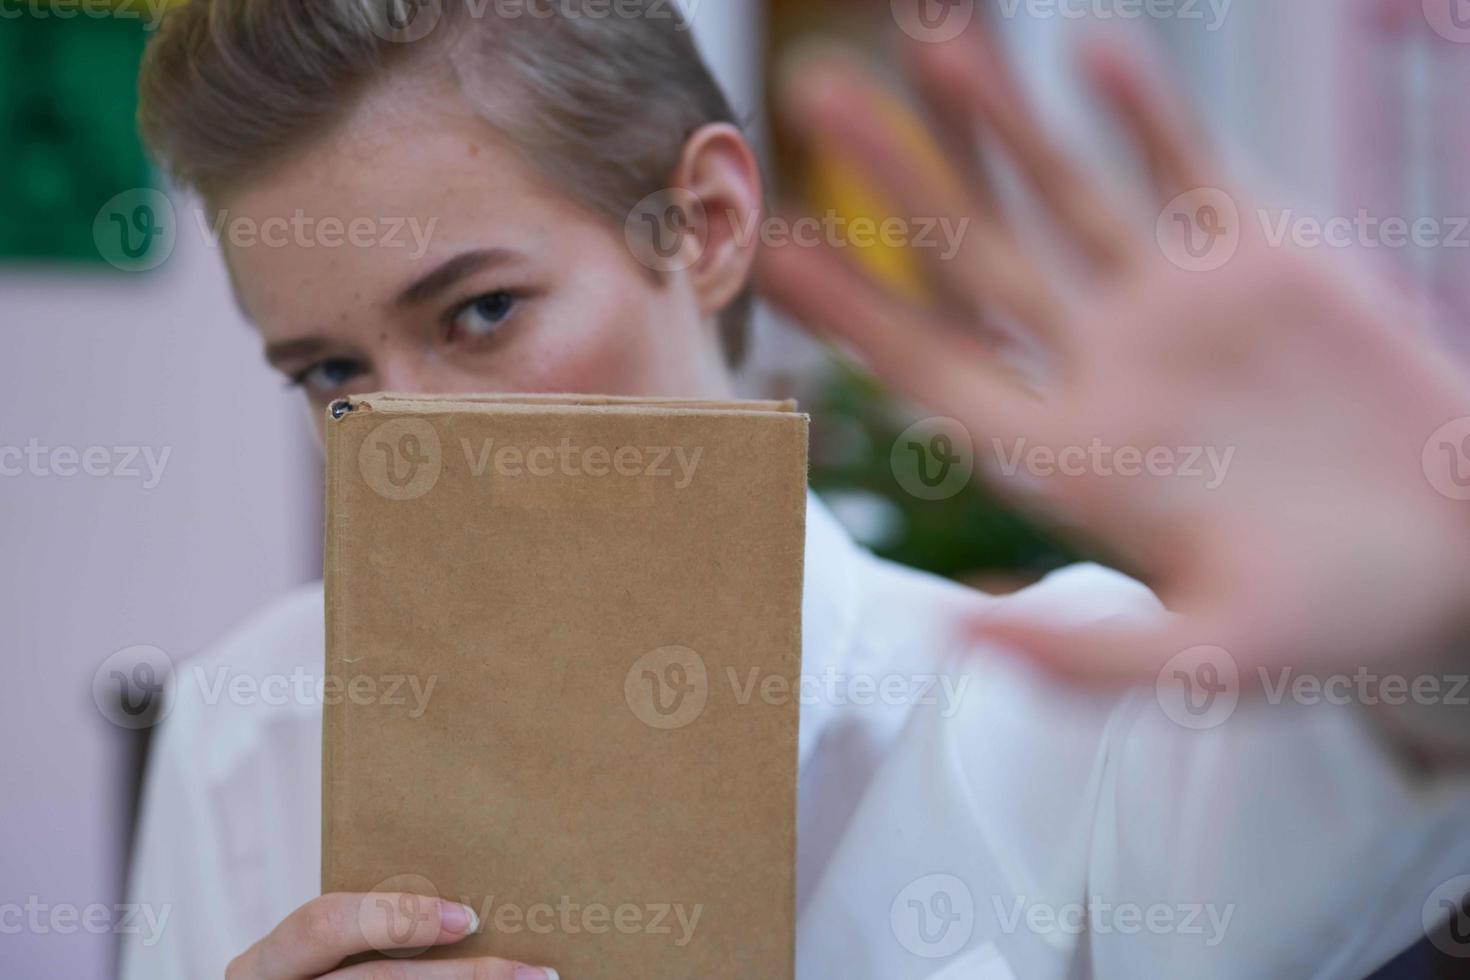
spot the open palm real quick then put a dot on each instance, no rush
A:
(1255, 426)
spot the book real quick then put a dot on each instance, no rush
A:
(563, 646)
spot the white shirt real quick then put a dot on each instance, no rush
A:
(967, 820)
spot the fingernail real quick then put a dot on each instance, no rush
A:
(459, 919)
(524, 972)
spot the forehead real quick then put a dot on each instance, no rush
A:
(402, 184)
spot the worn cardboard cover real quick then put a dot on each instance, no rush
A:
(562, 635)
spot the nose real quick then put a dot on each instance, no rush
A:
(405, 372)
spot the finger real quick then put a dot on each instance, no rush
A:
(483, 968)
(1091, 655)
(974, 67)
(987, 271)
(1173, 145)
(943, 368)
(830, 96)
(325, 931)
(955, 126)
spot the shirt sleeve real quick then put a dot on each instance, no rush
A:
(180, 876)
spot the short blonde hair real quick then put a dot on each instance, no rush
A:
(599, 95)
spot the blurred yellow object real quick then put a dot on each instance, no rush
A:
(840, 187)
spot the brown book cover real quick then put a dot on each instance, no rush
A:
(563, 641)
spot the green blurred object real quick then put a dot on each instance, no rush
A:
(68, 142)
(971, 536)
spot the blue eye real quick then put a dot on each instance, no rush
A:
(329, 376)
(484, 316)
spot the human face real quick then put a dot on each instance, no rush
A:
(452, 267)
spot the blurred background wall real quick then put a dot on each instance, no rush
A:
(1313, 95)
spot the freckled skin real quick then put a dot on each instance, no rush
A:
(589, 317)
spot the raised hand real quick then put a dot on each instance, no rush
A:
(1323, 531)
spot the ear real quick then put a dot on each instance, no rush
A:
(719, 168)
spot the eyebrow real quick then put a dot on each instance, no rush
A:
(448, 273)
(426, 287)
(285, 352)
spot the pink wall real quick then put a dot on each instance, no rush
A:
(97, 563)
